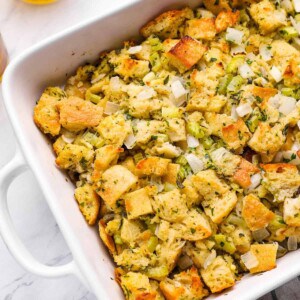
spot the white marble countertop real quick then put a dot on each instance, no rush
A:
(23, 25)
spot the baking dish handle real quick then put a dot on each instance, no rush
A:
(7, 174)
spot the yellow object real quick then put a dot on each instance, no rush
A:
(39, 2)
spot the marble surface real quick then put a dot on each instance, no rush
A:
(23, 25)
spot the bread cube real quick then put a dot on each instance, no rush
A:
(58, 145)
(138, 203)
(191, 193)
(186, 53)
(130, 231)
(243, 174)
(89, 203)
(171, 174)
(218, 275)
(146, 129)
(226, 19)
(46, 115)
(114, 182)
(132, 259)
(267, 17)
(170, 206)
(153, 165)
(217, 121)
(266, 256)
(203, 28)
(77, 114)
(75, 158)
(291, 211)
(168, 44)
(202, 102)
(262, 94)
(132, 68)
(106, 238)
(176, 130)
(185, 285)
(217, 6)
(255, 213)
(136, 286)
(167, 24)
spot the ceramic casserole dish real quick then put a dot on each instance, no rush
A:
(50, 63)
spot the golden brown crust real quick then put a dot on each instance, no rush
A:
(226, 19)
(107, 239)
(153, 165)
(217, 6)
(244, 172)
(201, 28)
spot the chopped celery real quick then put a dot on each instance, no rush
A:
(155, 61)
(117, 239)
(235, 62)
(289, 92)
(137, 157)
(155, 43)
(158, 273)
(223, 83)
(276, 223)
(93, 139)
(235, 84)
(244, 18)
(196, 130)
(169, 187)
(171, 112)
(254, 120)
(181, 160)
(182, 172)
(288, 32)
(207, 142)
(223, 243)
(152, 243)
(94, 98)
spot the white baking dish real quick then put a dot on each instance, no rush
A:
(50, 63)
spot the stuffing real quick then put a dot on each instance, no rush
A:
(130, 231)
(255, 213)
(147, 129)
(217, 121)
(291, 211)
(138, 203)
(106, 238)
(132, 68)
(176, 130)
(226, 19)
(192, 195)
(281, 179)
(185, 285)
(202, 29)
(267, 16)
(113, 183)
(219, 275)
(243, 174)
(153, 166)
(89, 203)
(166, 25)
(186, 53)
(217, 6)
(171, 175)
(265, 255)
(201, 102)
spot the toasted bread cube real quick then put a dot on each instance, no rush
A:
(75, 157)
(58, 145)
(168, 44)
(171, 174)
(176, 130)
(170, 206)
(217, 121)
(282, 180)
(263, 94)
(132, 68)
(267, 17)
(46, 115)
(201, 28)
(106, 239)
(216, 6)
(202, 102)
(218, 275)
(266, 256)
(236, 135)
(138, 203)
(114, 182)
(186, 53)
(291, 211)
(191, 193)
(89, 203)
(291, 73)
(195, 226)
(130, 230)
(105, 156)
(136, 286)
(208, 184)
(255, 213)
(219, 207)
(132, 259)
(77, 114)
(147, 129)
(185, 285)
(114, 129)
(226, 19)
(243, 174)
(153, 166)
(167, 24)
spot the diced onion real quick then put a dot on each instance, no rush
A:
(278, 157)
(249, 260)
(111, 108)
(67, 139)
(192, 142)
(135, 49)
(234, 114)
(244, 109)
(148, 77)
(251, 56)
(287, 5)
(276, 74)
(275, 101)
(292, 157)
(178, 89)
(184, 262)
(281, 251)
(99, 77)
(234, 35)
(295, 146)
(255, 181)
(209, 259)
(114, 83)
(195, 162)
(292, 243)
(296, 4)
(245, 71)
(298, 123)
(237, 49)
(130, 141)
(295, 24)
(280, 15)
(146, 93)
(260, 234)
(288, 104)
(265, 52)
